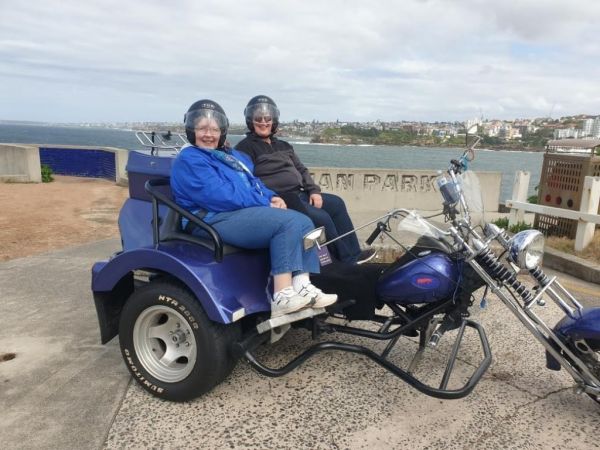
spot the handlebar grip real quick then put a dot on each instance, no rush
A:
(374, 234)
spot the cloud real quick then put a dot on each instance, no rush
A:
(411, 60)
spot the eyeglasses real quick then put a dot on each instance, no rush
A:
(265, 119)
(208, 130)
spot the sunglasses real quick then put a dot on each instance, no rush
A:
(265, 119)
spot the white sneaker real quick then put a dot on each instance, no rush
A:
(288, 301)
(321, 298)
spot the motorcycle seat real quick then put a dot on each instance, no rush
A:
(351, 282)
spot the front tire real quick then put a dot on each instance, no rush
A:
(589, 352)
(170, 346)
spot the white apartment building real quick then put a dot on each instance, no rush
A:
(470, 122)
(567, 133)
(587, 127)
(595, 129)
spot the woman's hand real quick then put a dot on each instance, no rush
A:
(316, 200)
(277, 202)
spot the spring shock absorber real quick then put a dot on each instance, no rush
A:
(490, 262)
(539, 276)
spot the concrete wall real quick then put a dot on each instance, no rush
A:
(20, 163)
(377, 190)
(368, 193)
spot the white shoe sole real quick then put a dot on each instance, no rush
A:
(324, 303)
(292, 309)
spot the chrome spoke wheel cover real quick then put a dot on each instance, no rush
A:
(164, 344)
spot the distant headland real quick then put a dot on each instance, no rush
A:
(517, 134)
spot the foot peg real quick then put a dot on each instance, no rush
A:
(288, 318)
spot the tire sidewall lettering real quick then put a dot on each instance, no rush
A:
(189, 316)
(137, 374)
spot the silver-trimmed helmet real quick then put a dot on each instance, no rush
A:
(262, 106)
(205, 109)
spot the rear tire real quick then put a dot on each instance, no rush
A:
(170, 346)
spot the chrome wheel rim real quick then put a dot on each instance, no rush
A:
(164, 344)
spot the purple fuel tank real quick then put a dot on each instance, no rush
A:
(425, 279)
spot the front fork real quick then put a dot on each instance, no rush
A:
(496, 276)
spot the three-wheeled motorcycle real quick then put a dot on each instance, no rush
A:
(187, 309)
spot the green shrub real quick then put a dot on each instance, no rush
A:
(47, 174)
(519, 226)
(503, 223)
(534, 198)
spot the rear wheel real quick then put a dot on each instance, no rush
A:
(171, 347)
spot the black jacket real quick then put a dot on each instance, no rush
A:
(277, 165)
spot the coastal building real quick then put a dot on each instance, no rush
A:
(569, 133)
(595, 128)
(492, 128)
(508, 132)
(587, 127)
(471, 122)
(590, 129)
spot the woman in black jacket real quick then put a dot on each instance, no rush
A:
(279, 168)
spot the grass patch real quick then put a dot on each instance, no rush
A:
(566, 245)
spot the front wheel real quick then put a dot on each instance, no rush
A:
(589, 352)
(170, 346)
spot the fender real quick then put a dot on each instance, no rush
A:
(240, 281)
(586, 326)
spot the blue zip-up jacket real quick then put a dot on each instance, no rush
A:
(200, 181)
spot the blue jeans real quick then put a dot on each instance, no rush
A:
(334, 216)
(279, 230)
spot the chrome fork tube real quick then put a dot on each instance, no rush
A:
(581, 373)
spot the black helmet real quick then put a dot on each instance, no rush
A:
(263, 105)
(210, 110)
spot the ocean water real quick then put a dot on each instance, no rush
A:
(316, 155)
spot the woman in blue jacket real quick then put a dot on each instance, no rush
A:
(218, 183)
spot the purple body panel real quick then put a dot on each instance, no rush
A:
(423, 280)
(240, 281)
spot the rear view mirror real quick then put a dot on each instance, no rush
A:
(314, 237)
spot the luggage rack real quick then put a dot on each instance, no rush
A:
(163, 140)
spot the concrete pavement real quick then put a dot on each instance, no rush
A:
(65, 390)
(62, 388)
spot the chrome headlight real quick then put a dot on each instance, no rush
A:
(527, 249)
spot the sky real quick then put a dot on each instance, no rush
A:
(426, 60)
